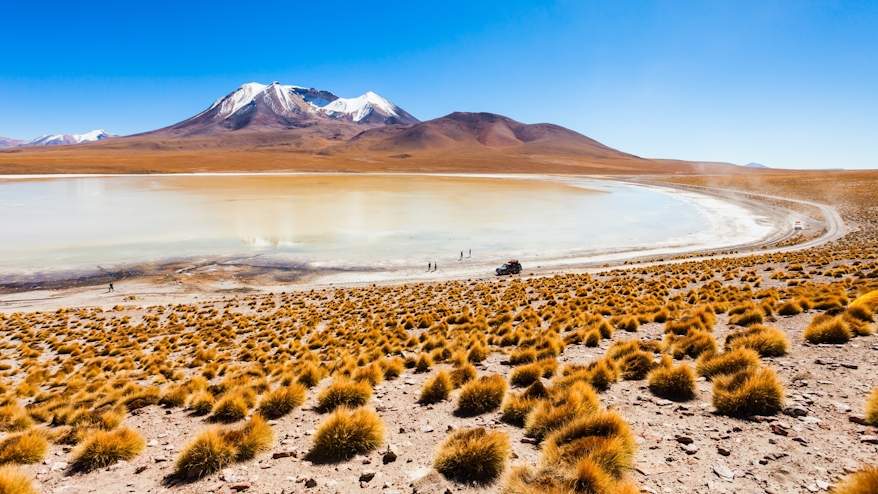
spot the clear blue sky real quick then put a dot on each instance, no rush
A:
(786, 83)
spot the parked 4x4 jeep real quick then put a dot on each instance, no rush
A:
(511, 267)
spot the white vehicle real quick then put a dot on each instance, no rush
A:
(797, 225)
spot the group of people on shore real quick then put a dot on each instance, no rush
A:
(433, 266)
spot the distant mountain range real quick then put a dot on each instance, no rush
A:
(755, 165)
(269, 127)
(49, 140)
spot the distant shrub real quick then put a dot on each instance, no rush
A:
(516, 407)
(790, 308)
(216, 448)
(232, 407)
(463, 374)
(636, 365)
(526, 375)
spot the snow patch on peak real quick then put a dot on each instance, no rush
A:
(94, 135)
(360, 107)
(242, 97)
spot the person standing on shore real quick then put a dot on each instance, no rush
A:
(470, 254)
(428, 266)
(435, 266)
(111, 288)
(461, 256)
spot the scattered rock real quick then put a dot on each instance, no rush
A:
(310, 483)
(723, 451)
(690, 449)
(389, 456)
(431, 483)
(684, 439)
(779, 430)
(239, 486)
(367, 475)
(795, 411)
(724, 472)
(287, 453)
(858, 419)
(869, 439)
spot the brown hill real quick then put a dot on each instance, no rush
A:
(457, 143)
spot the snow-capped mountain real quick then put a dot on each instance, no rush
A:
(255, 106)
(48, 140)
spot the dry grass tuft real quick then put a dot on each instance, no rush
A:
(526, 375)
(473, 455)
(603, 437)
(216, 448)
(765, 340)
(672, 382)
(347, 433)
(436, 389)
(827, 329)
(711, 364)
(206, 454)
(232, 407)
(24, 448)
(101, 449)
(871, 408)
(747, 318)
(750, 392)
(564, 406)
(344, 393)
(482, 395)
(282, 400)
(863, 482)
(14, 481)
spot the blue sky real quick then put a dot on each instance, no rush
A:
(789, 84)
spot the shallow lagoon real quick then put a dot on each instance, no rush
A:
(349, 221)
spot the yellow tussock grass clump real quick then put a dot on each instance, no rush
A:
(564, 406)
(216, 448)
(481, 395)
(344, 393)
(828, 329)
(526, 375)
(473, 455)
(232, 407)
(765, 340)
(347, 433)
(712, 364)
(516, 407)
(24, 448)
(436, 389)
(749, 392)
(101, 449)
(672, 382)
(604, 437)
(14, 481)
(282, 400)
(863, 482)
(871, 408)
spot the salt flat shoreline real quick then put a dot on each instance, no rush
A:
(192, 279)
